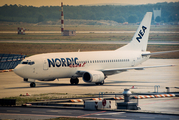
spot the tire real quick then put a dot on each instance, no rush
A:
(32, 84)
(74, 81)
(102, 82)
(97, 83)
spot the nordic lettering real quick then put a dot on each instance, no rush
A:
(141, 33)
(51, 62)
(65, 62)
(68, 61)
(58, 62)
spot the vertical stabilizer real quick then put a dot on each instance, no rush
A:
(140, 38)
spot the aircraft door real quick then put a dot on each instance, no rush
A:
(133, 63)
(45, 65)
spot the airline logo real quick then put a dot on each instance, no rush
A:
(65, 62)
(141, 33)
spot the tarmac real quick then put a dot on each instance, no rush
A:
(87, 42)
(143, 82)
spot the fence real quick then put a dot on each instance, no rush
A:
(10, 61)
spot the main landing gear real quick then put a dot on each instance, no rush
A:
(100, 83)
(74, 81)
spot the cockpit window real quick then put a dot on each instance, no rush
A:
(28, 62)
(23, 62)
(31, 63)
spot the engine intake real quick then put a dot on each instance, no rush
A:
(93, 76)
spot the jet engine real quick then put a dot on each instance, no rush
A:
(93, 76)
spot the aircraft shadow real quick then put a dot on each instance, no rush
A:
(42, 85)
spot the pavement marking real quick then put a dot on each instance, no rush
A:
(30, 115)
(13, 111)
(90, 114)
(159, 102)
(54, 111)
(38, 112)
(111, 113)
(147, 117)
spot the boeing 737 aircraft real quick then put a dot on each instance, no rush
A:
(93, 67)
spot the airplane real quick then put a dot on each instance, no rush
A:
(93, 67)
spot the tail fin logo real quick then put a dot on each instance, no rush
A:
(141, 33)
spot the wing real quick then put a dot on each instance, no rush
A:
(118, 70)
(111, 71)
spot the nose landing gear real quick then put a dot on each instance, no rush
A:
(32, 84)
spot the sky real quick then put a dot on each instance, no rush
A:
(39, 3)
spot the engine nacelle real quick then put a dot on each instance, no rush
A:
(93, 76)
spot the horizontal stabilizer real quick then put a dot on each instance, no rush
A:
(157, 53)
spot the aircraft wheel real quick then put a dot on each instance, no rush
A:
(100, 83)
(97, 83)
(71, 81)
(32, 84)
(74, 81)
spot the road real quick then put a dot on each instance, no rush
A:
(47, 113)
(87, 42)
(119, 32)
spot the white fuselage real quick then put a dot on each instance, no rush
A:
(64, 65)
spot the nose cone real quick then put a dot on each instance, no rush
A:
(19, 70)
(16, 69)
